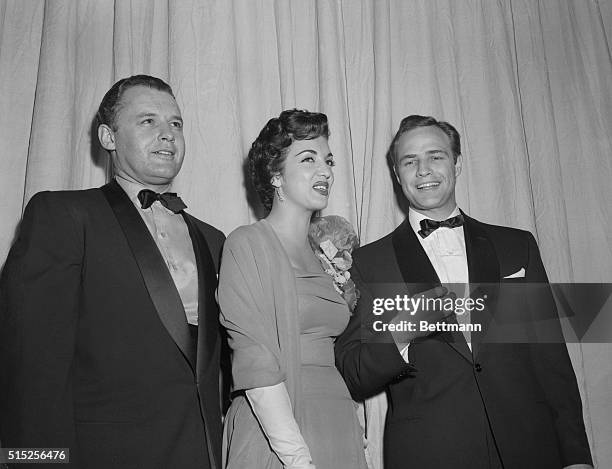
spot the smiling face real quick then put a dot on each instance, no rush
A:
(427, 172)
(306, 178)
(147, 145)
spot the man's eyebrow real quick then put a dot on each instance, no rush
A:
(428, 152)
(153, 114)
(407, 155)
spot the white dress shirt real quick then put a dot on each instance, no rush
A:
(445, 248)
(171, 235)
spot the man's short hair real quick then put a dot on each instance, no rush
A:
(412, 122)
(111, 103)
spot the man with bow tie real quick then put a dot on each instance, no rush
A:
(109, 335)
(459, 399)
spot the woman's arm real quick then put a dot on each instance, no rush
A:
(272, 407)
(248, 314)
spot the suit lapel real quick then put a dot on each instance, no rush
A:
(416, 269)
(207, 311)
(420, 275)
(153, 269)
(483, 268)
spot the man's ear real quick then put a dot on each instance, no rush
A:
(106, 137)
(458, 165)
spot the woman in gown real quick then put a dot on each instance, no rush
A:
(290, 407)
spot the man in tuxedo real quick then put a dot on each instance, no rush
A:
(459, 400)
(109, 335)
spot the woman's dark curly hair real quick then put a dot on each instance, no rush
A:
(268, 152)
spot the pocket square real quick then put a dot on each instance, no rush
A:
(517, 274)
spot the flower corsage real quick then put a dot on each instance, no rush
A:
(333, 239)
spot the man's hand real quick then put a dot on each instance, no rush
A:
(426, 310)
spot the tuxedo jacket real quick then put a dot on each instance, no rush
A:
(96, 354)
(463, 408)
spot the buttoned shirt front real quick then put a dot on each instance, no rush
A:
(445, 249)
(171, 235)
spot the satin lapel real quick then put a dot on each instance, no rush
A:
(417, 271)
(153, 269)
(208, 317)
(483, 268)
(419, 275)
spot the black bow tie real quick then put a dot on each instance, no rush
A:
(168, 199)
(429, 226)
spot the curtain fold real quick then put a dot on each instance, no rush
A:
(528, 84)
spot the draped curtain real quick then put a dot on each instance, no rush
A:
(528, 84)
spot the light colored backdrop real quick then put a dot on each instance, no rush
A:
(527, 83)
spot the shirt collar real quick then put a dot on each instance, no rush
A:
(415, 217)
(132, 188)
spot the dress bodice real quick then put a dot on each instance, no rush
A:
(323, 315)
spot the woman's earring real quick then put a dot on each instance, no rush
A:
(280, 196)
